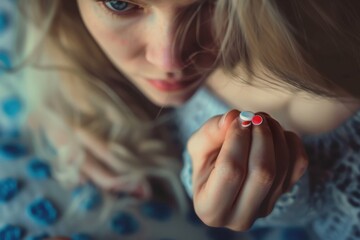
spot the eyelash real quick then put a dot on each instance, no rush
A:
(119, 14)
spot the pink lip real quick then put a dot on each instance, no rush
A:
(169, 85)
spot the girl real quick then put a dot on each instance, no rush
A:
(168, 78)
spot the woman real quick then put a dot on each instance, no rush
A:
(265, 49)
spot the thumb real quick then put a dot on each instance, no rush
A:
(210, 137)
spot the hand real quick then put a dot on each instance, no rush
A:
(239, 173)
(100, 165)
(107, 171)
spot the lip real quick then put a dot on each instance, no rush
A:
(169, 85)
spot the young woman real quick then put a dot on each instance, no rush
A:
(94, 49)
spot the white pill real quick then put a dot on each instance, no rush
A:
(246, 115)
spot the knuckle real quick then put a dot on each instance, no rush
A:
(230, 171)
(263, 175)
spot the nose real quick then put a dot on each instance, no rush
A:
(159, 49)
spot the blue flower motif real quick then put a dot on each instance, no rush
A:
(89, 196)
(12, 106)
(12, 151)
(43, 212)
(10, 232)
(156, 210)
(9, 188)
(81, 236)
(38, 169)
(294, 234)
(4, 21)
(124, 224)
(42, 236)
(5, 60)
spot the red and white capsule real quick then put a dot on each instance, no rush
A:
(247, 117)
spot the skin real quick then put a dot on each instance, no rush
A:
(139, 43)
(300, 112)
(239, 173)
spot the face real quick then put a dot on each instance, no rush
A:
(138, 37)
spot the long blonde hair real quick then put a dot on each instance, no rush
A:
(308, 45)
(66, 90)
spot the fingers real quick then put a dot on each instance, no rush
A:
(209, 137)
(101, 176)
(205, 144)
(101, 151)
(299, 160)
(239, 173)
(260, 178)
(225, 179)
(108, 172)
(282, 157)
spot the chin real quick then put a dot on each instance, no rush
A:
(171, 102)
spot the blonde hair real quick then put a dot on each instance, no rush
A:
(308, 45)
(66, 90)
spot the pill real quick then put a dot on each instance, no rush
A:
(246, 116)
(245, 123)
(257, 120)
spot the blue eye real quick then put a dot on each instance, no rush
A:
(119, 6)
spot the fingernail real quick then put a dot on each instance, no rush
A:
(222, 120)
(257, 120)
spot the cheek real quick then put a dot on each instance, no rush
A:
(118, 47)
(115, 46)
(113, 38)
